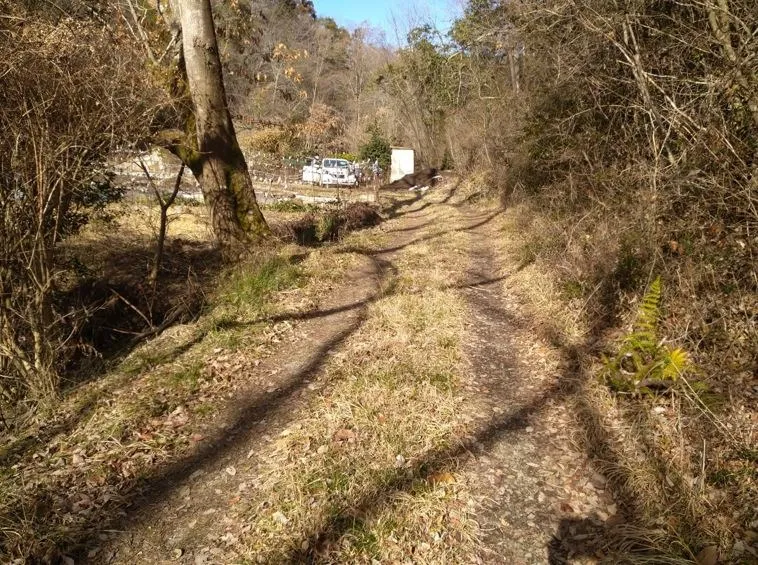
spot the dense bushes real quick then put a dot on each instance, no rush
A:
(639, 149)
(59, 124)
(653, 132)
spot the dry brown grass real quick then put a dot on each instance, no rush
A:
(347, 474)
(78, 465)
(140, 217)
(109, 433)
(118, 245)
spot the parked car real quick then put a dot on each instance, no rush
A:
(330, 171)
(338, 171)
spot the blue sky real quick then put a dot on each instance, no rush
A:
(392, 16)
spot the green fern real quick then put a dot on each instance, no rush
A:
(644, 336)
(649, 311)
(677, 361)
(644, 361)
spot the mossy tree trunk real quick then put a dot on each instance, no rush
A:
(217, 161)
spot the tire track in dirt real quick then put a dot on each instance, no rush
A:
(534, 486)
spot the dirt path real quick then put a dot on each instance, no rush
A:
(417, 416)
(182, 515)
(174, 517)
(539, 497)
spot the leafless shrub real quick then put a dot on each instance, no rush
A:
(649, 122)
(72, 91)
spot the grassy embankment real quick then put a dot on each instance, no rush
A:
(121, 419)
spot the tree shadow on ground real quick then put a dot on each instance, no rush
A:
(376, 255)
(155, 488)
(110, 325)
(614, 542)
(38, 514)
(577, 537)
(103, 329)
(320, 313)
(637, 532)
(485, 220)
(630, 534)
(411, 228)
(161, 481)
(433, 462)
(158, 486)
(398, 201)
(118, 309)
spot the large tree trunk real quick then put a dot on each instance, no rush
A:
(218, 164)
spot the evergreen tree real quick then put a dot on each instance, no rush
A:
(378, 147)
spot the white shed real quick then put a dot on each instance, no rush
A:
(402, 163)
